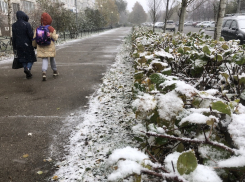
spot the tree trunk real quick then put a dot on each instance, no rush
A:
(10, 18)
(166, 17)
(221, 13)
(182, 15)
(238, 6)
(154, 16)
(215, 10)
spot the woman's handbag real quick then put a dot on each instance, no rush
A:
(16, 64)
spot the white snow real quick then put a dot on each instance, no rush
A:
(125, 168)
(164, 54)
(145, 103)
(138, 129)
(235, 161)
(203, 174)
(173, 157)
(128, 153)
(237, 130)
(240, 109)
(195, 118)
(169, 105)
(102, 127)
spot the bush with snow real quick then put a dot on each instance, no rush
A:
(190, 90)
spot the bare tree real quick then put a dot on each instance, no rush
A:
(238, 6)
(170, 7)
(10, 18)
(154, 6)
(221, 13)
(166, 17)
(215, 5)
(184, 5)
(201, 7)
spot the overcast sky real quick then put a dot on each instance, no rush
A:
(143, 3)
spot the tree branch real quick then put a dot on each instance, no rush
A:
(166, 176)
(187, 140)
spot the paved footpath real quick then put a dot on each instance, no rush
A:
(33, 112)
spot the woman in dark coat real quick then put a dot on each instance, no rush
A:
(22, 42)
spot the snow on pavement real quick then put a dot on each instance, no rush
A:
(103, 127)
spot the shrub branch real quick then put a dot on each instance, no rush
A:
(166, 176)
(187, 140)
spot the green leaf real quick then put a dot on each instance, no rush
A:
(221, 39)
(174, 42)
(235, 78)
(206, 50)
(197, 71)
(196, 102)
(167, 72)
(241, 61)
(138, 139)
(141, 48)
(151, 87)
(186, 163)
(180, 50)
(137, 178)
(180, 148)
(140, 87)
(136, 55)
(88, 169)
(169, 88)
(156, 78)
(219, 57)
(221, 107)
(161, 141)
(167, 49)
(158, 67)
(138, 77)
(142, 60)
(187, 49)
(242, 81)
(225, 47)
(210, 122)
(225, 75)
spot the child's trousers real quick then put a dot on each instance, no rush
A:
(52, 63)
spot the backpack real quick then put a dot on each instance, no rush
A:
(43, 35)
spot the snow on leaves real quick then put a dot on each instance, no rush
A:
(195, 87)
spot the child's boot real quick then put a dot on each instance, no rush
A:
(55, 73)
(44, 76)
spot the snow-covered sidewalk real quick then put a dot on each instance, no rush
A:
(104, 127)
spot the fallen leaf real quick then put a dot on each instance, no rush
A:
(39, 172)
(55, 178)
(58, 108)
(25, 156)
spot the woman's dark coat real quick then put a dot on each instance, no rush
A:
(22, 38)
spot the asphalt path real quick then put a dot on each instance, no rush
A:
(33, 113)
